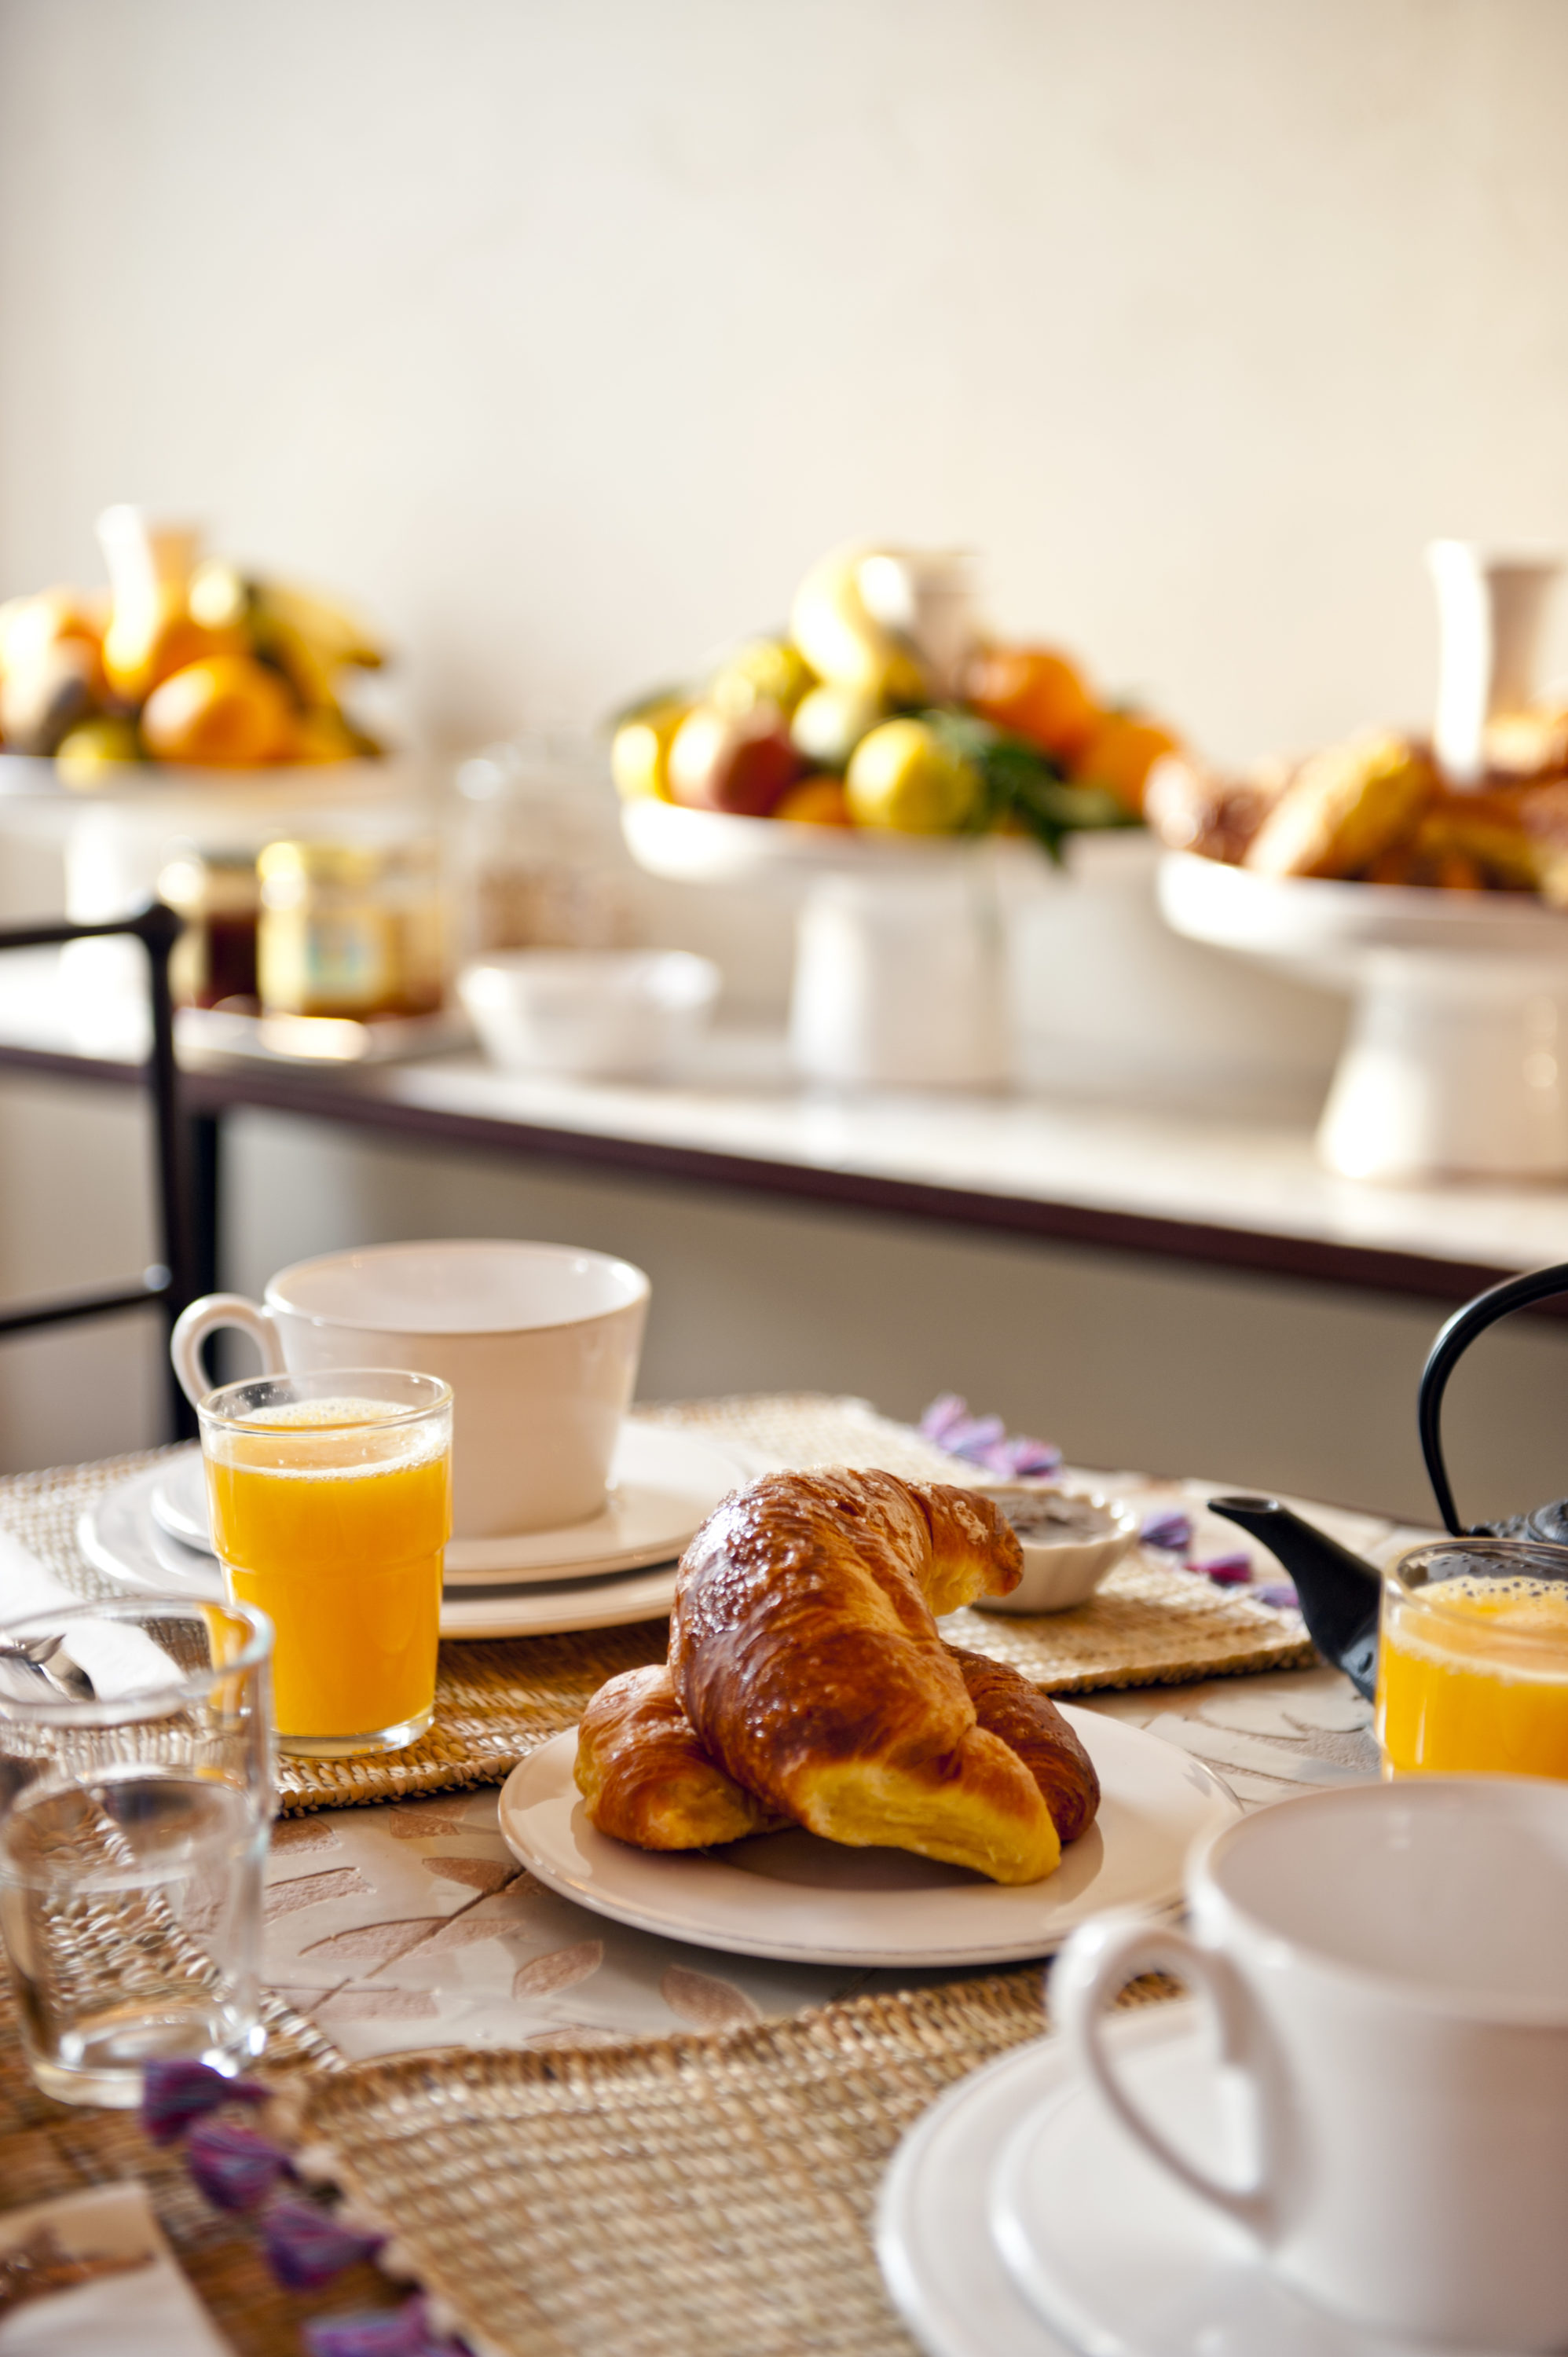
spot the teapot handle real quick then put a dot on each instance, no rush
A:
(1453, 1340)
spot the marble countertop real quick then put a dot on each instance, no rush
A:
(1190, 1159)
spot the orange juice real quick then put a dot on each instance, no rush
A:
(1473, 1677)
(336, 1528)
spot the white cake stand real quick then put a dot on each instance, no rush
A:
(1457, 1060)
(901, 960)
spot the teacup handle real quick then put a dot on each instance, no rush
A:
(1091, 1973)
(205, 1317)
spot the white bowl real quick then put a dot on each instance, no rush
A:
(589, 1011)
(1060, 1572)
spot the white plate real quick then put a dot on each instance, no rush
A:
(793, 1897)
(118, 1536)
(665, 1485)
(1115, 2257)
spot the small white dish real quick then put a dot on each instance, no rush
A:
(1114, 2256)
(118, 1536)
(589, 1012)
(1072, 1539)
(664, 1485)
(797, 1899)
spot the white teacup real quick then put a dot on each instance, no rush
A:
(540, 1343)
(1388, 1965)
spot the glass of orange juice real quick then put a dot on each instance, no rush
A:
(1473, 1660)
(331, 1503)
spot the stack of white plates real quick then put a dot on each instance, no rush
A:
(152, 1532)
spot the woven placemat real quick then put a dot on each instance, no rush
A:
(688, 2197)
(496, 1700)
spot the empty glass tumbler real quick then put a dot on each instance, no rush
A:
(136, 1799)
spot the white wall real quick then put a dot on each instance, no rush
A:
(565, 336)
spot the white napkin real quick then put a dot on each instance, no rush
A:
(118, 1659)
(143, 2308)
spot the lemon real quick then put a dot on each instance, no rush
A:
(764, 671)
(94, 749)
(639, 755)
(903, 777)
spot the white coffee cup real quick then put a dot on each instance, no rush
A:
(540, 1343)
(1388, 1966)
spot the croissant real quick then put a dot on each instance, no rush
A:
(645, 1776)
(1011, 1706)
(804, 1651)
(647, 1780)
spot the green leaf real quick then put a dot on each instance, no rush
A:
(1021, 784)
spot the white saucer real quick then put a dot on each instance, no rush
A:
(1120, 2260)
(665, 1483)
(118, 1536)
(793, 1897)
(944, 2274)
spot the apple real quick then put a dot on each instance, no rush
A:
(738, 763)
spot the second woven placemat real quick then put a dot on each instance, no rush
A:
(689, 2197)
(496, 1700)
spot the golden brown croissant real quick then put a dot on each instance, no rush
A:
(647, 1779)
(804, 1651)
(1011, 1706)
(645, 1776)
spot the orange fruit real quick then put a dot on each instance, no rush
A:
(816, 801)
(226, 712)
(1035, 694)
(149, 644)
(1121, 754)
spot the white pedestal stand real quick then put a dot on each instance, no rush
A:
(1456, 1062)
(901, 961)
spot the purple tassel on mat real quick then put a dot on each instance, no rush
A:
(233, 2167)
(386, 2332)
(1225, 1570)
(1167, 1527)
(307, 2246)
(175, 2093)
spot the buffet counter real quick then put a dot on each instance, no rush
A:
(1209, 1180)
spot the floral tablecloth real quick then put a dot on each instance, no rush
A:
(411, 1924)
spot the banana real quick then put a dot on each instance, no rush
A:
(337, 636)
(841, 640)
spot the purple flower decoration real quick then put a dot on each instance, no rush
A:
(1167, 1527)
(234, 2167)
(386, 2332)
(1281, 1594)
(942, 1415)
(176, 2093)
(1225, 1570)
(306, 2245)
(985, 1440)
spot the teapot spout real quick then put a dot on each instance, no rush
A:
(1339, 1594)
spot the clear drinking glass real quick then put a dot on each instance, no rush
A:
(1473, 1660)
(135, 1802)
(331, 1502)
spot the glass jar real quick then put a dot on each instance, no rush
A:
(352, 929)
(219, 895)
(542, 862)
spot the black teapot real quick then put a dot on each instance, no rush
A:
(1340, 1594)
